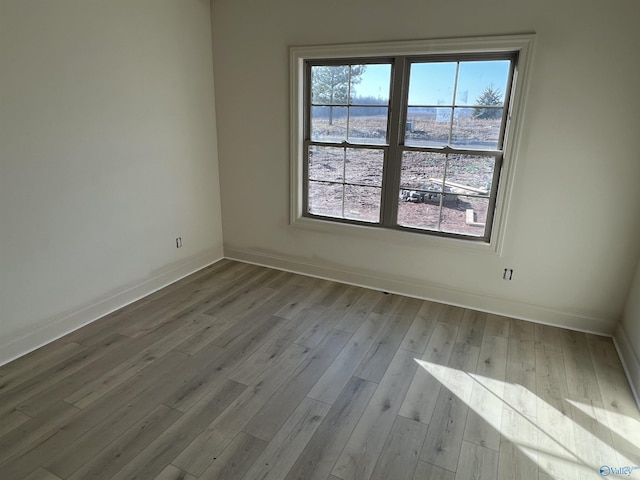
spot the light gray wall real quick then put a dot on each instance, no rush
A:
(572, 220)
(108, 153)
(628, 335)
(631, 320)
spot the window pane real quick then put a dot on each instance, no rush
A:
(330, 84)
(477, 128)
(364, 166)
(372, 86)
(325, 199)
(326, 163)
(419, 215)
(329, 124)
(428, 127)
(362, 203)
(418, 170)
(473, 172)
(432, 83)
(482, 83)
(466, 215)
(368, 125)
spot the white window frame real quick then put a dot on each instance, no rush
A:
(522, 44)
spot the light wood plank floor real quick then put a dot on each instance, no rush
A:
(244, 372)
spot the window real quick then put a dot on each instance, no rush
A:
(413, 137)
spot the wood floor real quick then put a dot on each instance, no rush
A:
(243, 372)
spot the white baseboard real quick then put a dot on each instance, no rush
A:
(629, 359)
(428, 291)
(51, 329)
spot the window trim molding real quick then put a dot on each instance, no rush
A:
(523, 44)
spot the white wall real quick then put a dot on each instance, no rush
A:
(108, 153)
(572, 220)
(631, 320)
(628, 335)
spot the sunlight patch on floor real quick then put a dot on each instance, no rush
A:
(556, 441)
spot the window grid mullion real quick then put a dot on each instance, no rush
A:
(453, 151)
(344, 169)
(442, 190)
(352, 184)
(348, 103)
(393, 159)
(453, 102)
(364, 146)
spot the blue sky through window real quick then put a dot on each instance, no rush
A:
(433, 83)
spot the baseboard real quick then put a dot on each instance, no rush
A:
(629, 359)
(51, 329)
(428, 291)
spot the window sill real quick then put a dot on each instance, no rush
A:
(393, 236)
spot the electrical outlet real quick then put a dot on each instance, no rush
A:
(508, 274)
(178, 242)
